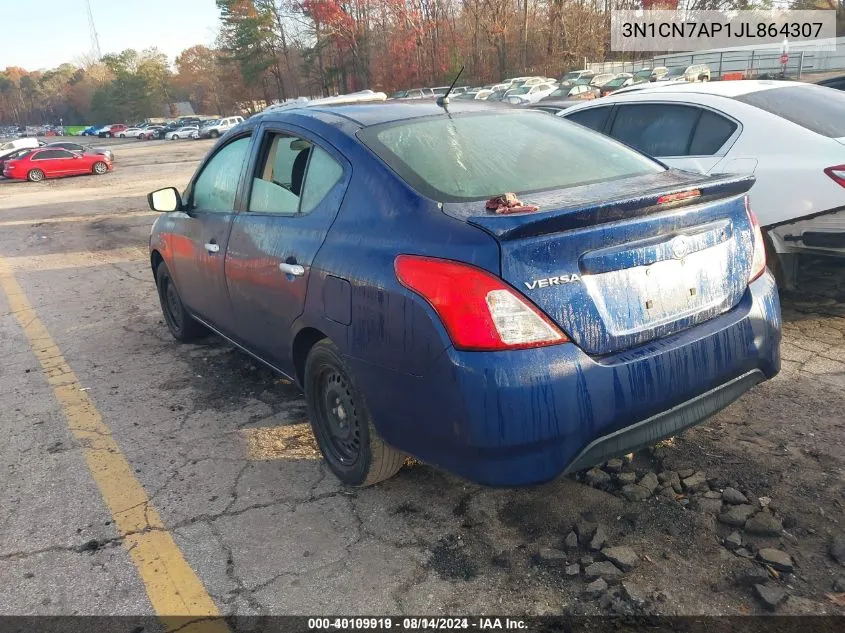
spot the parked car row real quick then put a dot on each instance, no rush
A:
(574, 86)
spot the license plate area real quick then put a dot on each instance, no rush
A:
(634, 299)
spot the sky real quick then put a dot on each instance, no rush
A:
(170, 25)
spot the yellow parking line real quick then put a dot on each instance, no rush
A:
(80, 218)
(172, 586)
(77, 259)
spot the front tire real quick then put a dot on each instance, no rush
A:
(35, 175)
(182, 325)
(99, 168)
(174, 137)
(214, 133)
(341, 422)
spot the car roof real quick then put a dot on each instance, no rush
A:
(730, 89)
(384, 112)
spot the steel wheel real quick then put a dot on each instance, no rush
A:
(172, 304)
(338, 412)
(341, 422)
(182, 325)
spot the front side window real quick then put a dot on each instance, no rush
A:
(217, 185)
(293, 176)
(461, 158)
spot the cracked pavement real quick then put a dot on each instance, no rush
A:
(223, 451)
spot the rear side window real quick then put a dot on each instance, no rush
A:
(47, 154)
(816, 108)
(655, 129)
(593, 118)
(710, 134)
(478, 156)
(294, 177)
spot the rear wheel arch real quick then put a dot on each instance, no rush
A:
(305, 339)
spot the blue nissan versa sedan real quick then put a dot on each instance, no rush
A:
(350, 248)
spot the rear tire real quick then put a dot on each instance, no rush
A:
(182, 325)
(214, 133)
(35, 175)
(99, 168)
(341, 422)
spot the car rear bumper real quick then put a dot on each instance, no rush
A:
(524, 417)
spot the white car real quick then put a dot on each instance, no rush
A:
(27, 142)
(220, 127)
(130, 132)
(599, 80)
(789, 135)
(190, 131)
(576, 75)
(697, 72)
(529, 94)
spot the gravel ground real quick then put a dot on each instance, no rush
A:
(741, 515)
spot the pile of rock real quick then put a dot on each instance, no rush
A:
(730, 506)
(586, 555)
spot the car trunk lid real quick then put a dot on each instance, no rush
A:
(615, 270)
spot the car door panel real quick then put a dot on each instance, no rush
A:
(204, 232)
(270, 255)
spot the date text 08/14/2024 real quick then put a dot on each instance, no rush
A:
(415, 623)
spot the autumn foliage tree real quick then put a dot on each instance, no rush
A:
(272, 50)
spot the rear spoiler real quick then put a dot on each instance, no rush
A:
(645, 202)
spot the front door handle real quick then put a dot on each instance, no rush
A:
(292, 269)
(211, 247)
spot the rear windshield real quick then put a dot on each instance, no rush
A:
(816, 108)
(481, 155)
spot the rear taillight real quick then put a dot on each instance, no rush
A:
(479, 310)
(758, 261)
(837, 173)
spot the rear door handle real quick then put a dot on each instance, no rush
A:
(211, 247)
(292, 269)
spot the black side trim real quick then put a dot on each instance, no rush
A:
(819, 239)
(802, 218)
(244, 349)
(665, 424)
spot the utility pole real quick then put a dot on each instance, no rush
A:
(92, 32)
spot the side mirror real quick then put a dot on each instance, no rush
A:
(165, 200)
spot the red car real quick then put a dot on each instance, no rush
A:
(110, 131)
(39, 164)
